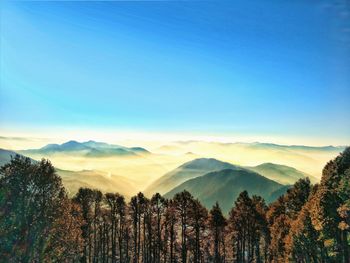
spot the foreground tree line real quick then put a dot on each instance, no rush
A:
(39, 223)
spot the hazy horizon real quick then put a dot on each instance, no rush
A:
(164, 156)
(271, 72)
(22, 140)
(184, 80)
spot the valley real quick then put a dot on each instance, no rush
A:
(183, 166)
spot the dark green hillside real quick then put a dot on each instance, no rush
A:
(189, 170)
(224, 186)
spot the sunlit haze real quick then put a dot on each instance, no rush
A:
(239, 82)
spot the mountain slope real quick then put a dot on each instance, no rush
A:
(73, 180)
(103, 181)
(281, 173)
(5, 156)
(224, 186)
(189, 170)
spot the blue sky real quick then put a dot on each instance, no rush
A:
(254, 67)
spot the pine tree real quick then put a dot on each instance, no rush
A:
(198, 215)
(217, 223)
(183, 202)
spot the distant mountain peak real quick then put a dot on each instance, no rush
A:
(89, 148)
(205, 163)
(71, 142)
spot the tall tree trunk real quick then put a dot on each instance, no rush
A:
(120, 239)
(224, 248)
(135, 240)
(158, 236)
(345, 247)
(216, 246)
(139, 239)
(172, 243)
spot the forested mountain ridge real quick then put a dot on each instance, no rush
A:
(189, 170)
(39, 223)
(224, 186)
(182, 177)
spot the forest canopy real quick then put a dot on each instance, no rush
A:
(40, 223)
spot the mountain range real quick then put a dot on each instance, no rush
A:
(88, 149)
(262, 145)
(208, 179)
(309, 159)
(280, 173)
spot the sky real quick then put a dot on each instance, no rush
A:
(240, 69)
